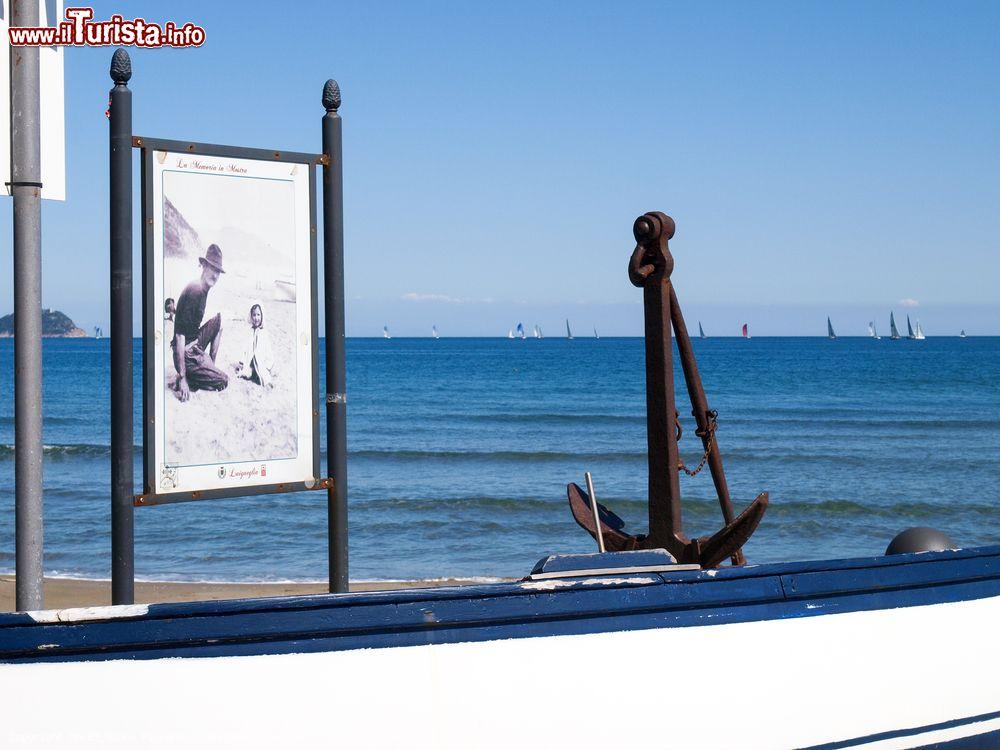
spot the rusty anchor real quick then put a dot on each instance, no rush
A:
(649, 268)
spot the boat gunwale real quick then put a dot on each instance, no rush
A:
(170, 610)
(336, 622)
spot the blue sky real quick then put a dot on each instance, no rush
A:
(818, 159)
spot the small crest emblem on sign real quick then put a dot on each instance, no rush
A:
(222, 472)
(168, 477)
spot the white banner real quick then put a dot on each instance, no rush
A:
(53, 126)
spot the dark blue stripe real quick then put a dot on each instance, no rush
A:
(481, 613)
(989, 741)
(911, 732)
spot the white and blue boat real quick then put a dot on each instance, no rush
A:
(878, 652)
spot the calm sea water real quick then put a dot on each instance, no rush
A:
(460, 451)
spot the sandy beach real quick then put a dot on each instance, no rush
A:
(75, 592)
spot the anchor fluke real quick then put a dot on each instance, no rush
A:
(726, 542)
(615, 539)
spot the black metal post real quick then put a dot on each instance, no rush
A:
(26, 189)
(122, 480)
(336, 375)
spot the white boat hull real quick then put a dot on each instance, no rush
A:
(770, 684)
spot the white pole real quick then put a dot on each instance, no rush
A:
(593, 508)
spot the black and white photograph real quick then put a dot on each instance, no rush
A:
(232, 283)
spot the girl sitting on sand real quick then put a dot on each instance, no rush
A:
(257, 364)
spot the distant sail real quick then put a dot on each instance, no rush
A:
(98, 333)
(893, 331)
(434, 332)
(962, 334)
(595, 333)
(569, 333)
(510, 333)
(909, 329)
(829, 329)
(872, 333)
(919, 335)
(385, 332)
(538, 333)
(520, 331)
(746, 330)
(701, 331)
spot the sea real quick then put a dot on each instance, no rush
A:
(460, 450)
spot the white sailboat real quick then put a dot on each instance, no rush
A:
(872, 333)
(909, 329)
(962, 334)
(595, 333)
(538, 333)
(569, 333)
(919, 335)
(520, 331)
(510, 333)
(385, 332)
(829, 329)
(701, 331)
(893, 331)
(434, 332)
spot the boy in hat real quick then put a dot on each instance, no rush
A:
(195, 345)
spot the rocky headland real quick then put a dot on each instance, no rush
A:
(55, 325)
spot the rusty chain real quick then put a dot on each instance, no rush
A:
(712, 424)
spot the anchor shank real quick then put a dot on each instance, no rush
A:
(665, 525)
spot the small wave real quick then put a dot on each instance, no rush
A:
(696, 506)
(527, 503)
(471, 455)
(529, 418)
(70, 450)
(49, 421)
(854, 508)
(873, 424)
(784, 455)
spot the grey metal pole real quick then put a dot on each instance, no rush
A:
(336, 375)
(122, 480)
(26, 189)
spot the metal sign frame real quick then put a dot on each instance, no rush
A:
(147, 147)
